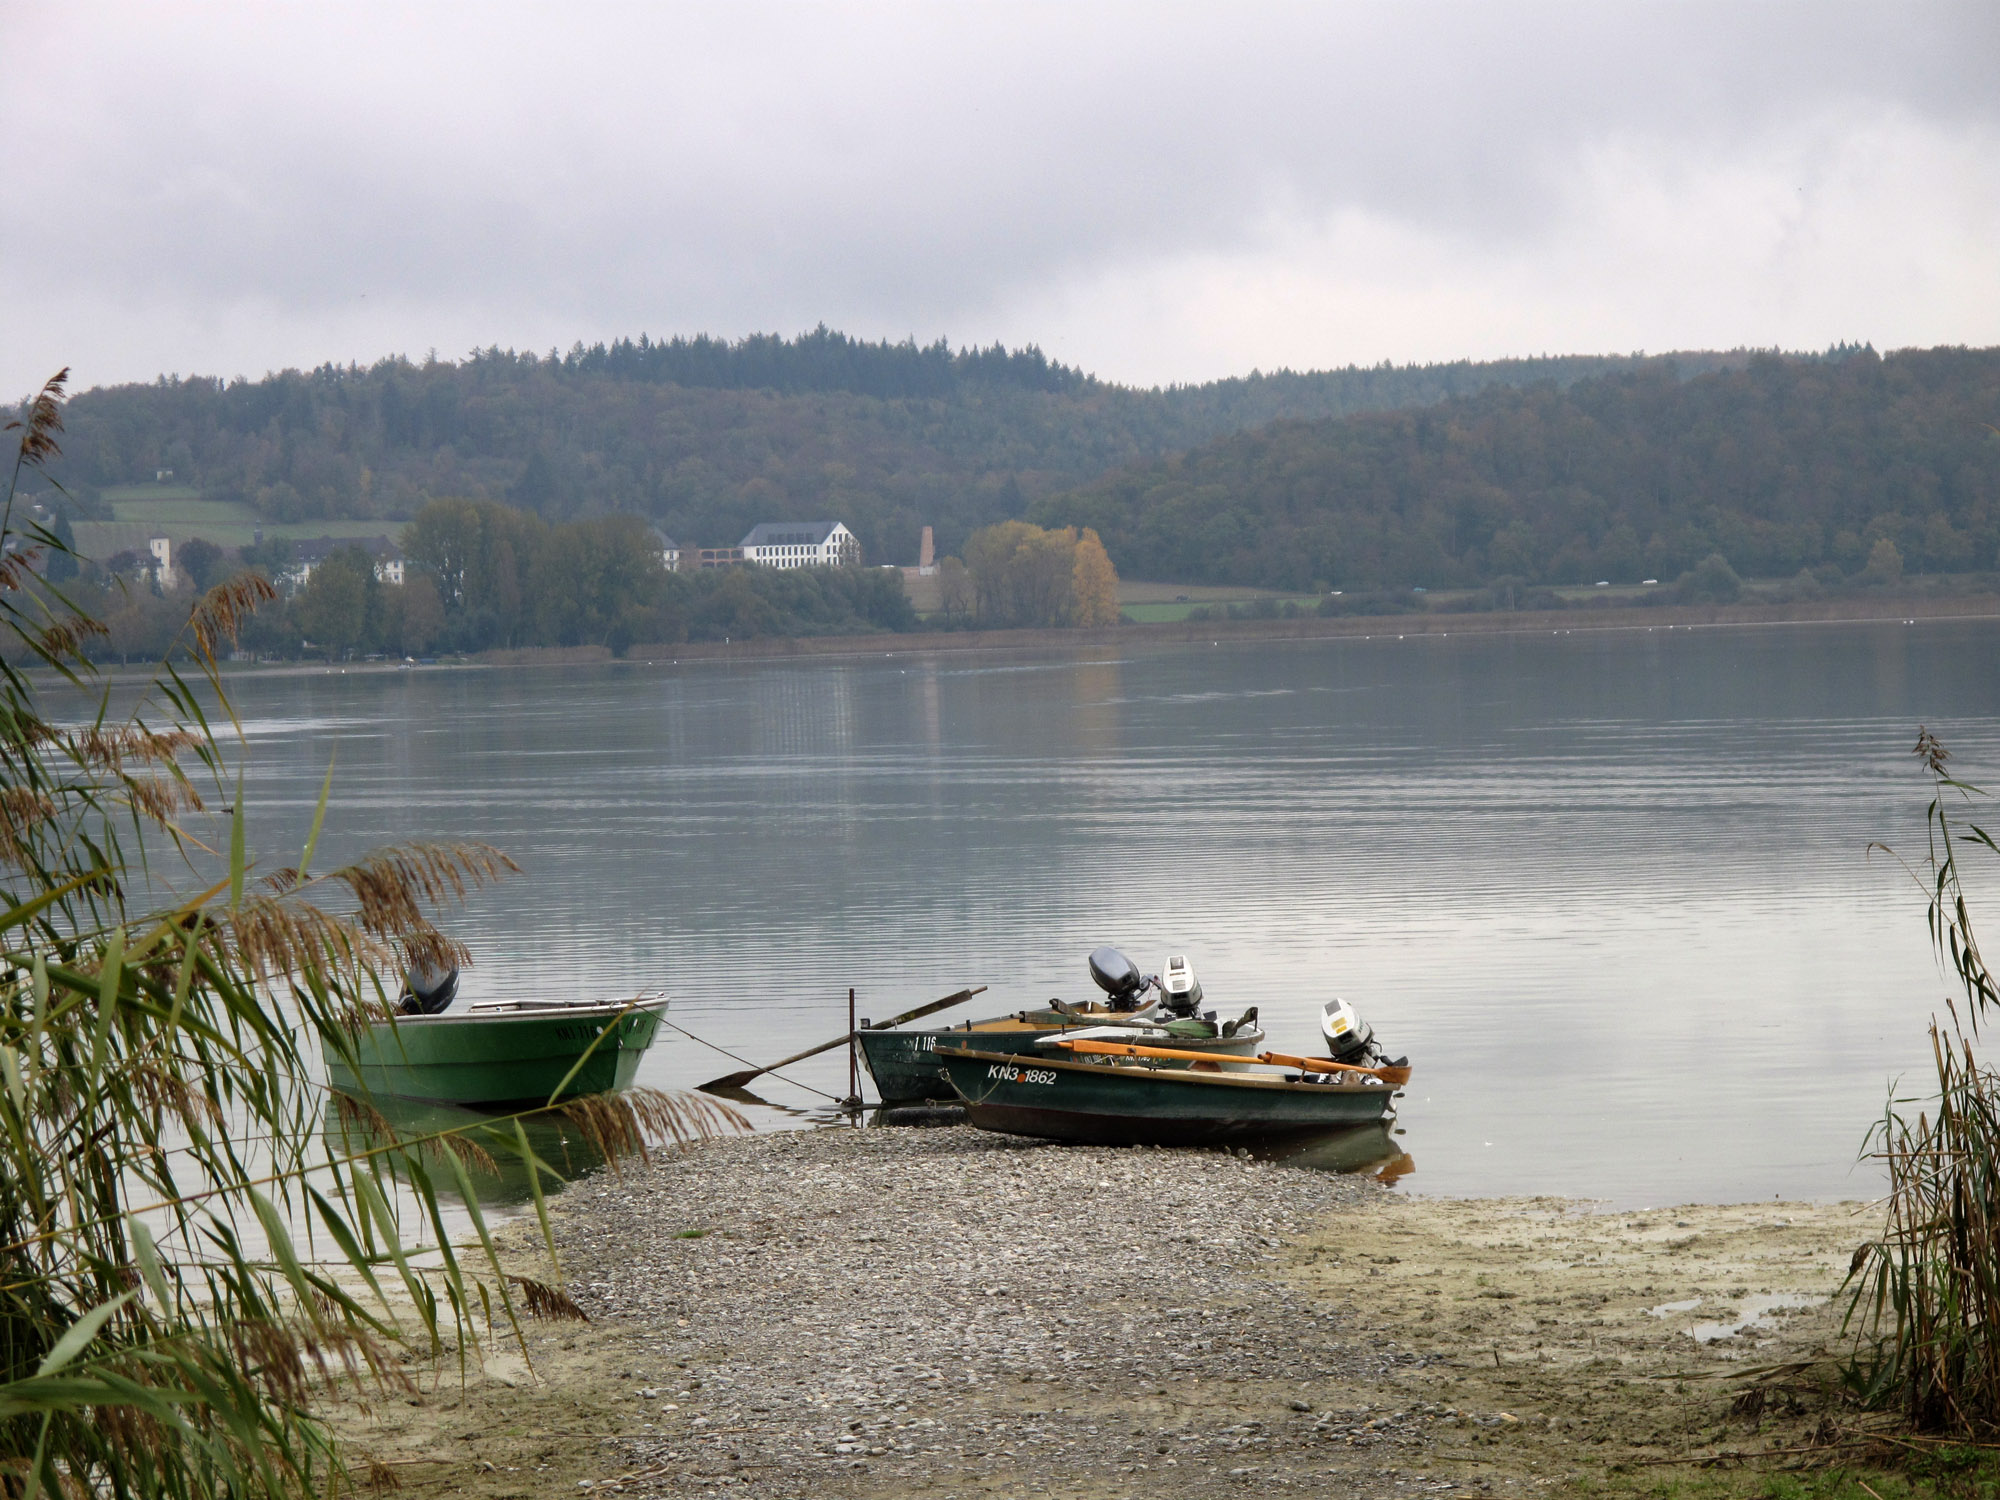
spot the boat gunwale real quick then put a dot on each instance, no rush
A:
(529, 1010)
(1230, 1078)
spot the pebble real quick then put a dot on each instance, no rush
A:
(949, 1308)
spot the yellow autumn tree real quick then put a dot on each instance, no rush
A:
(1093, 583)
(1021, 574)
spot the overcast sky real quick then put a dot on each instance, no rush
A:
(1153, 192)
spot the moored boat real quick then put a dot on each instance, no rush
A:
(1104, 1094)
(1161, 1012)
(905, 1068)
(502, 1054)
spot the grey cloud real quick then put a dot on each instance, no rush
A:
(891, 167)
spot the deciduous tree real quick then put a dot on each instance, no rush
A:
(1023, 575)
(1094, 582)
(334, 607)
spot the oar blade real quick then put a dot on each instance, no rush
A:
(738, 1080)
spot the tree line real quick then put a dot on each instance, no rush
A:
(706, 437)
(479, 575)
(1776, 467)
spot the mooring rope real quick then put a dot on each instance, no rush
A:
(772, 1072)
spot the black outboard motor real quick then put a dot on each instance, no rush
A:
(428, 991)
(1118, 977)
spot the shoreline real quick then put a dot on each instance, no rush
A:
(1885, 610)
(888, 1312)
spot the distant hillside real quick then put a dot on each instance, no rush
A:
(702, 436)
(1781, 464)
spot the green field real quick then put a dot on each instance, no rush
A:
(179, 511)
(1160, 614)
(218, 521)
(142, 511)
(119, 493)
(1165, 603)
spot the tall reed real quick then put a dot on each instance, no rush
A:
(1925, 1298)
(186, 1253)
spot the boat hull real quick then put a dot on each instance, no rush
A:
(497, 1061)
(904, 1064)
(1096, 1104)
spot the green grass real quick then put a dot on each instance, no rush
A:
(1948, 1474)
(182, 513)
(100, 539)
(1142, 591)
(123, 492)
(1159, 614)
(179, 510)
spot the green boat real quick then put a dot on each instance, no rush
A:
(905, 1068)
(1119, 1102)
(563, 1149)
(510, 1054)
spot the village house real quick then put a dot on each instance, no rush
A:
(801, 544)
(389, 564)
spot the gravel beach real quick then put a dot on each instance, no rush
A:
(957, 1312)
(878, 1312)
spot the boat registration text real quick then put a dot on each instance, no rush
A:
(1008, 1073)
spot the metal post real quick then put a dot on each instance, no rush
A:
(853, 1061)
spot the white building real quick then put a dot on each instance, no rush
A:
(801, 544)
(670, 550)
(163, 560)
(388, 562)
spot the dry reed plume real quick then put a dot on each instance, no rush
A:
(1925, 1297)
(164, 1137)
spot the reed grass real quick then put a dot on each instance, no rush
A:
(1924, 1298)
(186, 1255)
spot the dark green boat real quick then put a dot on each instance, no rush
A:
(1123, 1103)
(500, 1055)
(905, 1068)
(564, 1150)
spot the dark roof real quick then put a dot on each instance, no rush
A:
(788, 534)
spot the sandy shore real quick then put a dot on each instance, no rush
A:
(938, 1312)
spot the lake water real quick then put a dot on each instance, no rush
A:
(1609, 891)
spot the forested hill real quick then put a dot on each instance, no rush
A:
(706, 437)
(1779, 465)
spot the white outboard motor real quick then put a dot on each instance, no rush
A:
(1349, 1039)
(1180, 990)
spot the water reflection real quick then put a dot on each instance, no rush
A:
(498, 1171)
(1371, 1149)
(1641, 853)
(742, 1096)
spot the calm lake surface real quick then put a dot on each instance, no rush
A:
(1610, 891)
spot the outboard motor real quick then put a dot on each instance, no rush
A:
(1118, 977)
(1180, 990)
(428, 991)
(1349, 1039)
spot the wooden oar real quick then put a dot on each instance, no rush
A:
(1396, 1075)
(738, 1080)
